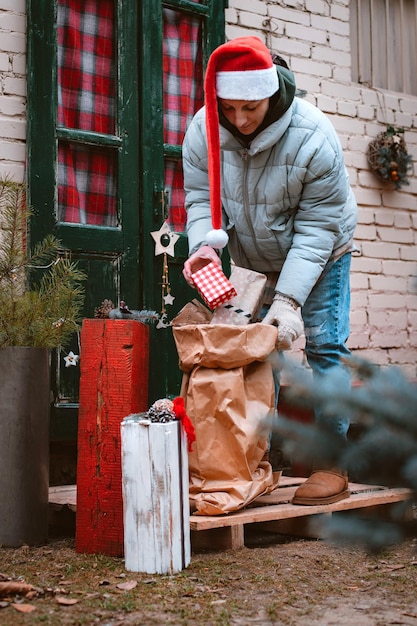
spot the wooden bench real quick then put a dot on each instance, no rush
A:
(273, 513)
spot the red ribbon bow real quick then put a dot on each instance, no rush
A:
(180, 414)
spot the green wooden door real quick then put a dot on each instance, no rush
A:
(83, 162)
(122, 152)
(177, 38)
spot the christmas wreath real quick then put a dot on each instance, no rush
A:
(388, 156)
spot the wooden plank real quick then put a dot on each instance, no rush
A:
(312, 526)
(288, 510)
(296, 526)
(67, 494)
(63, 496)
(273, 513)
(282, 495)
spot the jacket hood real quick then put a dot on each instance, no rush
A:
(279, 103)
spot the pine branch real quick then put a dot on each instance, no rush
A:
(382, 408)
(42, 314)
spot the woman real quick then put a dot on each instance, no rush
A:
(268, 167)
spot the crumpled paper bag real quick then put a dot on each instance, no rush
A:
(228, 391)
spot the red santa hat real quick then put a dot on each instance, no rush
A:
(241, 69)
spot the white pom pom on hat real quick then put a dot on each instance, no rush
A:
(241, 69)
(217, 238)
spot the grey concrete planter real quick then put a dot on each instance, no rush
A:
(24, 445)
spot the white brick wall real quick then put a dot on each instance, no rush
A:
(313, 36)
(12, 88)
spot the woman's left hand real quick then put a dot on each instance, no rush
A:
(199, 259)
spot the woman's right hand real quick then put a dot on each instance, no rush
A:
(197, 260)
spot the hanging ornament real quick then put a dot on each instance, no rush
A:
(163, 321)
(164, 244)
(71, 359)
(165, 240)
(166, 296)
(59, 323)
(169, 299)
(388, 156)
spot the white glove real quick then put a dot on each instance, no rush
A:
(283, 313)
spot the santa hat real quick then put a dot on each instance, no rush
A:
(241, 69)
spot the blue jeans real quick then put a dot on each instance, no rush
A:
(326, 325)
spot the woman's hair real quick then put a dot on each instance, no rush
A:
(277, 60)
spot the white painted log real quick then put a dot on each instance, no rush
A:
(155, 488)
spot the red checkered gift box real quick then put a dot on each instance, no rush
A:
(213, 286)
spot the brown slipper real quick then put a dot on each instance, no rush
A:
(322, 487)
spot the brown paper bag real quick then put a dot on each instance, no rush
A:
(245, 306)
(192, 313)
(228, 391)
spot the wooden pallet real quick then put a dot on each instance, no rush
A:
(273, 513)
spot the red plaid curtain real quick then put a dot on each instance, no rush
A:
(183, 96)
(87, 187)
(86, 101)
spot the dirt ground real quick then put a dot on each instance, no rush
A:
(274, 580)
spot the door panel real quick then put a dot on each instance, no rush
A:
(183, 35)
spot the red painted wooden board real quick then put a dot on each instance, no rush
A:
(113, 384)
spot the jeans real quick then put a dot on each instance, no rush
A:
(326, 325)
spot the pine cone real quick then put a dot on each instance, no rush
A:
(102, 312)
(161, 411)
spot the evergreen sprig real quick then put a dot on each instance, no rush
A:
(41, 292)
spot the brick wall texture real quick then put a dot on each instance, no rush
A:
(12, 88)
(313, 36)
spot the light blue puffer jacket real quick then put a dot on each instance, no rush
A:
(287, 202)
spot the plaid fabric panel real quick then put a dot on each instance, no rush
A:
(86, 65)
(183, 96)
(86, 185)
(86, 101)
(213, 286)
